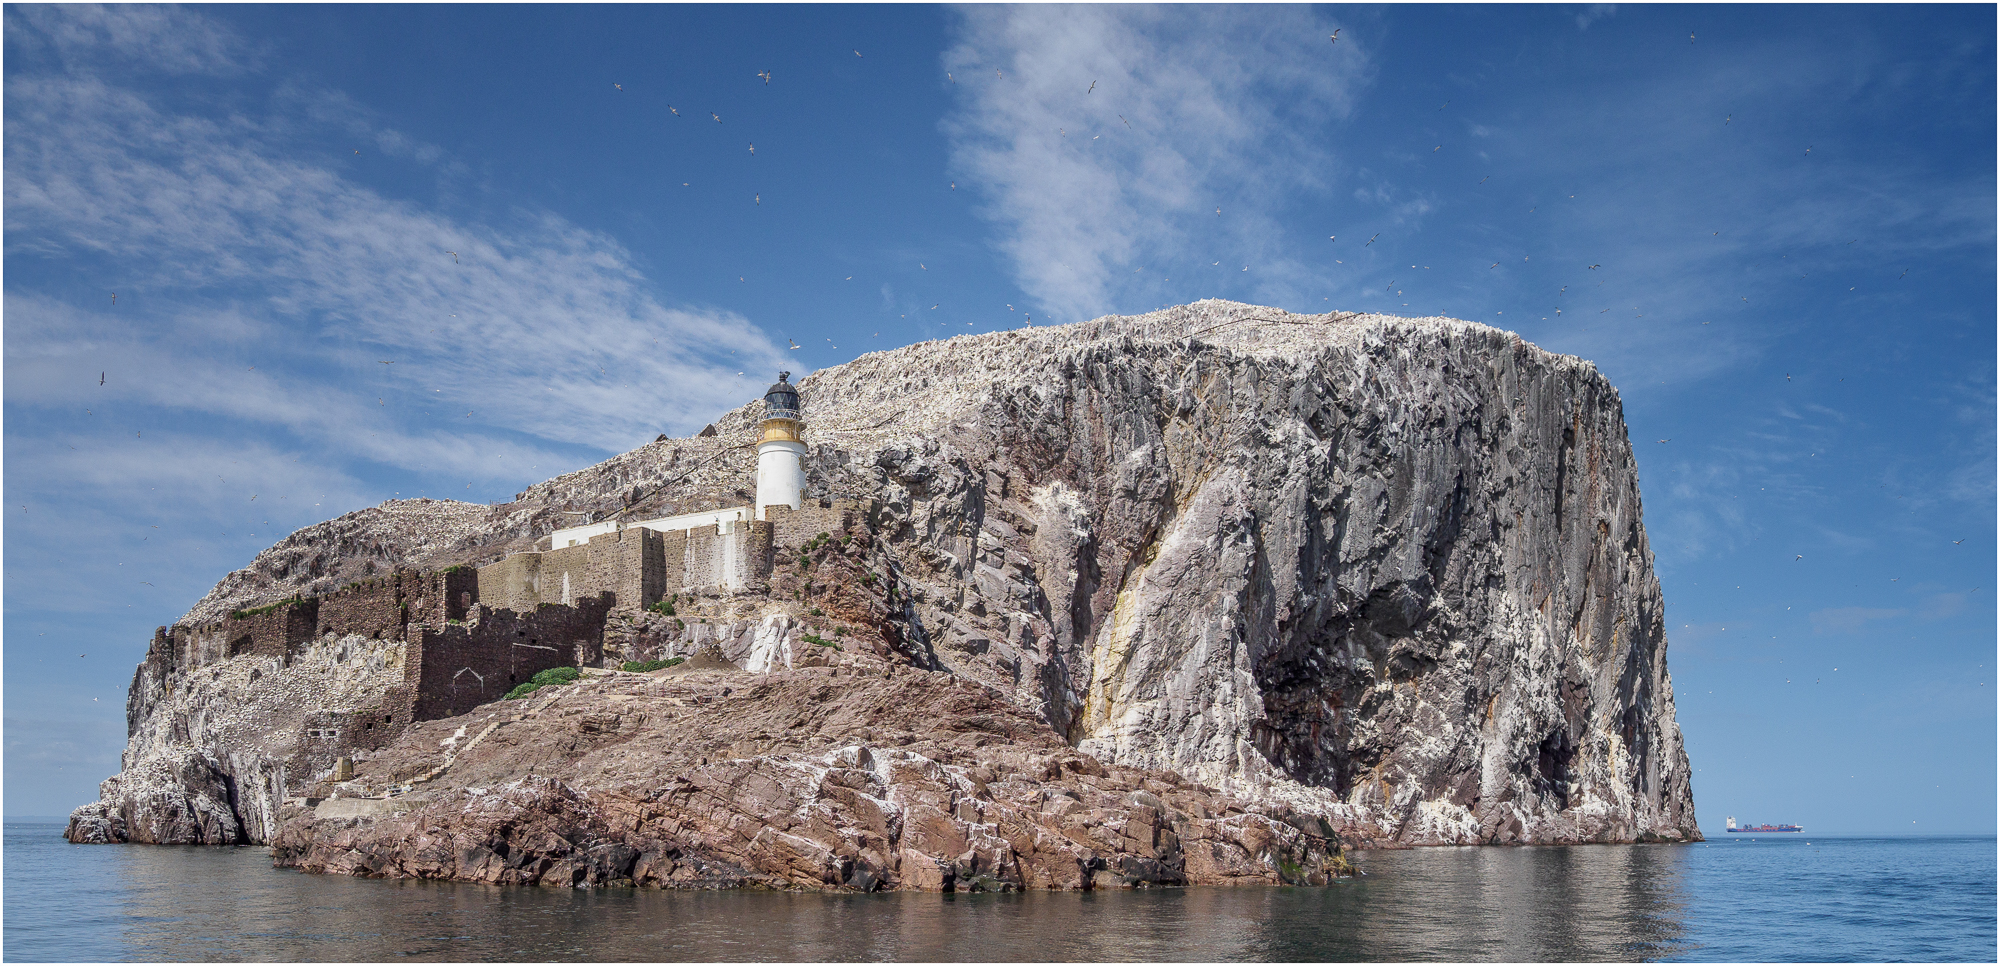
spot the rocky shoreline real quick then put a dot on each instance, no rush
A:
(859, 776)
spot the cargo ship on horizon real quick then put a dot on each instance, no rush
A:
(1733, 827)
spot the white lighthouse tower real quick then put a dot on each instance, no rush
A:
(781, 467)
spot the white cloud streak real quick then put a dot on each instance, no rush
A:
(539, 327)
(1193, 109)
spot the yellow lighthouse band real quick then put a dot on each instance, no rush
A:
(781, 430)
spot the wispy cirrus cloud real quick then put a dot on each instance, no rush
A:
(1105, 139)
(87, 36)
(541, 326)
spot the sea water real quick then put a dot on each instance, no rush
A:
(1763, 897)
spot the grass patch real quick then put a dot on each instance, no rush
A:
(663, 607)
(549, 678)
(267, 608)
(644, 666)
(821, 641)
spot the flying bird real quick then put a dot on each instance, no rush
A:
(1218, 211)
(100, 378)
(1334, 37)
(794, 344)
(1437, 149)
(753, 147)
(1493, 266)
(766, 74)
(758, 198)
(385, 362)
(1727, 118)
(1371, 239)
(1093, 86)
(619, 86)
(857, 53)
(1690, 38)
(674, 109)
(1798, 557)
(1957, 542)
(454, 257)
(954, 186)
(923, 266)
(1593, 267)
(1664, 441)
(1485, 179)
(718, 117)
(114, 298)
(1122, 118)
(996, 73)
(1808, 149)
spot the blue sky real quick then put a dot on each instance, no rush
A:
(1771, 227)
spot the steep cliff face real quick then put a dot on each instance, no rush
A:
(1396, 563)
(1389, 573)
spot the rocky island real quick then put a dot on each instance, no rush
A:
(1206, 595)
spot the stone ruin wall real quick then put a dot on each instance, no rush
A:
(641, 566)
(458, 667)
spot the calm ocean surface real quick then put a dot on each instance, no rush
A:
(1771, 898)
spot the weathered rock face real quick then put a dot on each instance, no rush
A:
(213, 747)
(861, 775)
(1386, 573)
(1395, 564)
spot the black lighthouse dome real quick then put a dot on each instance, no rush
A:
(781, 401)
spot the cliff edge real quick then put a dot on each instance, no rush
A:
(1369, 579)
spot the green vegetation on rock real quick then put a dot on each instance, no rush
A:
(552, 676)
(644, 666)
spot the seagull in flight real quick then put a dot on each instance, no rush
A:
(1122, 118)
(674, 109)
(857, 53)
(1593, 267)
(758, 198)
(766, 74)
(718, 117)
(1664, 441)
(1334, 37)
(1798, 557)
(1371, 239)
(619, 86)
(114, 298)
(454, 257)
(100, 378)
(385, 362)
(1093, 86)
(794, 344)
(753, 147)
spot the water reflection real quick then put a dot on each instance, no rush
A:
(1520, 904)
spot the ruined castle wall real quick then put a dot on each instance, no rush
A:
(791, 529)
(452, 593)
(719, 560)
(513, 583)
(629, 564)
(376, 608)
(455, 669)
